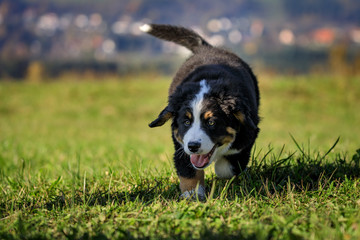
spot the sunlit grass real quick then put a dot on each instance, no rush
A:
(317, 109)
(79, 161)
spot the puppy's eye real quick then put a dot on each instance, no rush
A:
(211, 123)
(187, 123)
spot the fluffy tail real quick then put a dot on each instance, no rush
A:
(179, 35)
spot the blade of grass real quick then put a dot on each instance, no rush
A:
(332, 147)
(297, 144)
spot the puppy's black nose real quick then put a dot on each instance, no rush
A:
(194, 146)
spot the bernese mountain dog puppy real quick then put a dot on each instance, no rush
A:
(213, 103)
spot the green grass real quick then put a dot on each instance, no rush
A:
(78, 161)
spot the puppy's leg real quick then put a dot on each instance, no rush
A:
(193, 187)
(192, 183)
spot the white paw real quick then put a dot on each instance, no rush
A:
(198, 193)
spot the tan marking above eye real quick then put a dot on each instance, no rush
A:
(188, 114)
(208, 114)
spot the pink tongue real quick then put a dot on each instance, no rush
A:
(199, 160)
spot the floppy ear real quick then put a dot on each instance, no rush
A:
(245, 119)
(165, 115)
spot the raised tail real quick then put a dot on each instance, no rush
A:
(179, 35)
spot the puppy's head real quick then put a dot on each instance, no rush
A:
(207, 119)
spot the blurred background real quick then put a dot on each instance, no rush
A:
(47, 39)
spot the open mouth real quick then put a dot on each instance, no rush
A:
(201, 161)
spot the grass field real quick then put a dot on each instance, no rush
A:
(78, 161)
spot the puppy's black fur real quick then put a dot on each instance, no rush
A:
(232, 100)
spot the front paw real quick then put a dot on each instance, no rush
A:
(195, 194)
